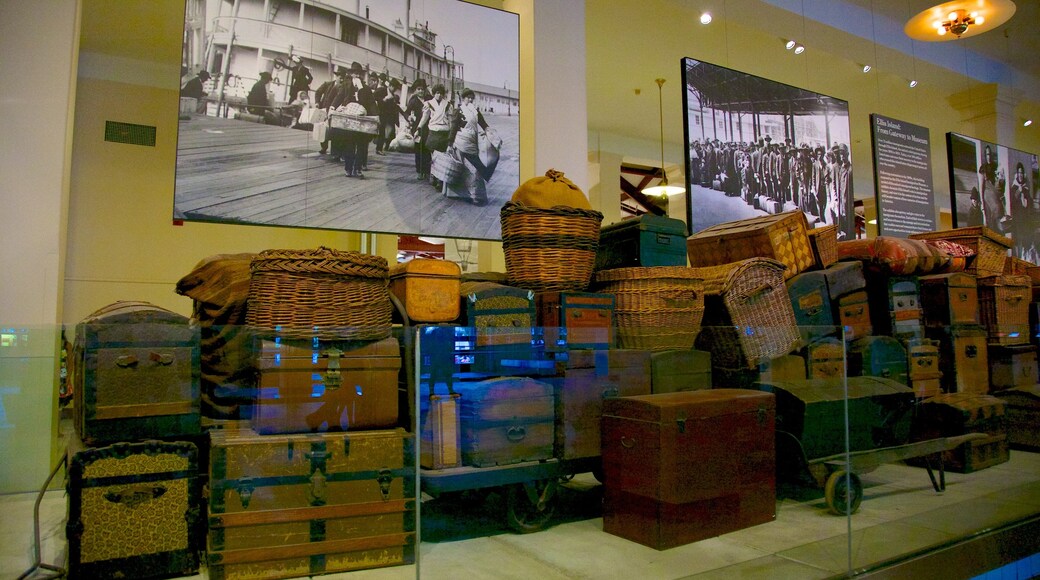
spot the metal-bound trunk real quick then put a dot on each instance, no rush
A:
(924, 376)
(648, 240)
(314, 386)
(500, 323)
(575, 320)
(506, 420)
(136, 370)
(954, 414)
(826, 359)
(132, 510)
(963, 358)
(283, 506)
(811, 300)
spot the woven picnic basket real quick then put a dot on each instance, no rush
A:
(748, 317)
(322, 293)
(656, 308)
(549, 249)
(824, 243)
(990, 247)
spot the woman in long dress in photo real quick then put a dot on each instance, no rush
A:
(467, 144)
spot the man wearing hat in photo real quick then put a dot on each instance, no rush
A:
(301, 76)
(326, 95)
(193, 89)
(413, 114)
(257, 101)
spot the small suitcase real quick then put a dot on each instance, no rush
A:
(895, 306)
(647, 240)
(783, 237)
(506, 420)
(844, 278)
(1012, 366)
(854, 315)
(136, 373)
(284, 506)
(673, 371)
(671, 476)
(1004, 308)
(427, 288)
(954, 414)
(589, 378)
(948, 299)
(826, 359)
(132, 510)
(440, 430)
(575, 320)
(314, 386)
(1022, 408)
(878, 356)
(924, 376)
(963, 358)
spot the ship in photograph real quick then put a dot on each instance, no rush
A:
(339, 115)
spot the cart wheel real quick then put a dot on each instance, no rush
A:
(530, 505)
(843, 498)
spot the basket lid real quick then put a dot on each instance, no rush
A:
(323, 260)
(646, 272)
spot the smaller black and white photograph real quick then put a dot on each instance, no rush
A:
(756, 147)
(996, 187)
(398, 116)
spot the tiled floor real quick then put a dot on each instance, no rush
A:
(465, 537)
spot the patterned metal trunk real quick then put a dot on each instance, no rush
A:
(575, 320)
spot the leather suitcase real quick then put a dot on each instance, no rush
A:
(810, 418)
(811, 301)
(589, 378)
(1004, 308)
(963, 358)
(948, 299)
(575, 320)
(924, 376)
(284, 506)
(783, 237)
(440, 431)
(960, 413)
(315, 386)
(1022, 409)
(427, 288)
(878, 356)
(671, 476)
(132, 510)
(673, 371)
(648, 240)
(854, 315)
(1012, 366)
(895, 306)
(504, 331)
(506, 420)
(136, 374)
(825, 359)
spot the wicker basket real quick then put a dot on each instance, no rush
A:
(1004, 308)
(447, 167)
(657, 308)
(990, 247)
(749, 317)
(824, 243)
(321, 293)
(550, 249)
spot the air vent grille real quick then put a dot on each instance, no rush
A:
(129, 133)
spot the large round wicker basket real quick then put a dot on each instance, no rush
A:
(322, 293)
(549, 249)
(657, 307)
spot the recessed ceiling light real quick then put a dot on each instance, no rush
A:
(789, 44)
(866, 68)
(799, 49)
(706, 18)
(913, 84)
(1027, 123)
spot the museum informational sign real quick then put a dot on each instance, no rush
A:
(271, 132)
(902, 177)
(996, 186)
(756, 146)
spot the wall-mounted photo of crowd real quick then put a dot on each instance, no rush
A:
(400, 116)
(756, 146)
(996, 187)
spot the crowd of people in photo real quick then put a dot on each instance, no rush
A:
(814, 178)
(431, 121)
(1011, 207)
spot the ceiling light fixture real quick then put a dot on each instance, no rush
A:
(913, 83)
(799, 49)
(790, 44)
(1027, 123)
(706, 18)
(662, 189)
(958, 19)
(958, 22)
(866, 68)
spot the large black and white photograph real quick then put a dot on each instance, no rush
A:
(756, 146)
(995, 186)
(396, 116)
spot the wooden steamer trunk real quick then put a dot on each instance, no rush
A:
(673, 371)
(440, 432)
(924, 374)
(427, 288)
(949, 299)
(854, 315)
(506, 420)
(953, 414)
(575, 320)
(748, 318)
(825, 359)
(504, 322)
(647, 240)
(591, 377)
(878, 356)
(1022, 407)
(783, 237)
(313, 386)
(1012, 366)
(132, 510)
(283, 506)
(963, 358)
(136, 371)
(671, 474)
(1004, 308)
